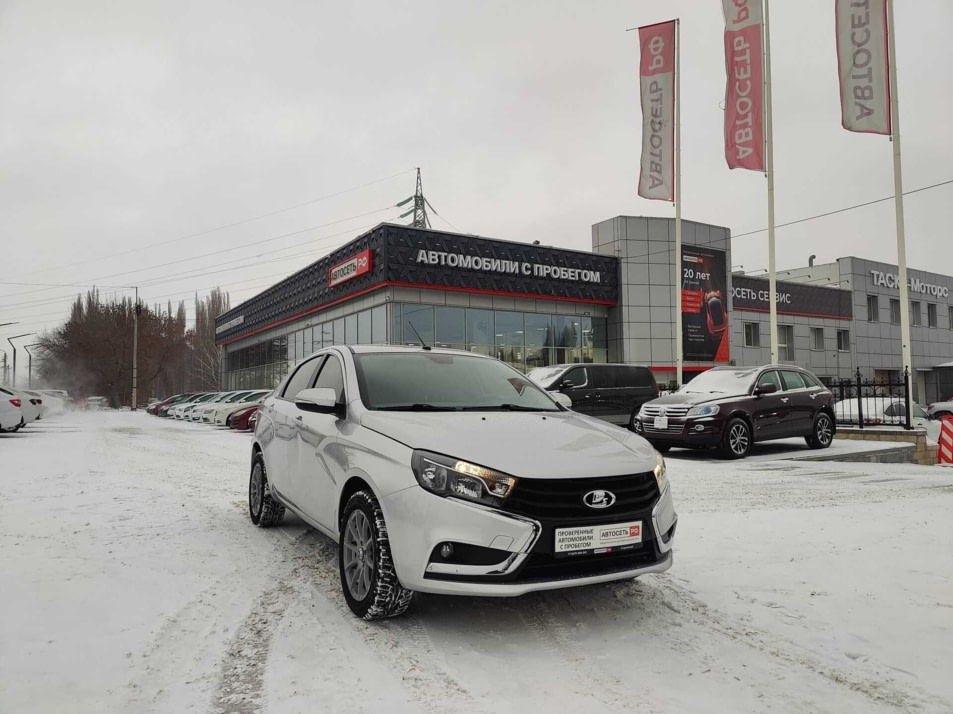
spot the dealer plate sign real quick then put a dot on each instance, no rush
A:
(598, 539)
(350, 268)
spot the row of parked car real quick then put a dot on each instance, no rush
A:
(235, 409)
(20, 407)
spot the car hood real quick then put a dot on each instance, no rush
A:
(528, 444)
(690, 398)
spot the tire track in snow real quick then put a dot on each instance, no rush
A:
(881, 691)
(241, 690)
(403, 644)
(545, 624)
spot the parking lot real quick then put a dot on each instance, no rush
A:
(133, 580)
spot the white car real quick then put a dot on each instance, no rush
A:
(450, 472)
(30, 407)
(886, 411)
(941, 410)
(180, 410)
(219, 415)
(11, 413)
(199, 409)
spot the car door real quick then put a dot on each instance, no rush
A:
(608, 397)
(767, 410)
(577, 384)
(313, 477)
(281, 450)
(799, 419)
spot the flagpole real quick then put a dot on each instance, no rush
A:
(769, 166)
(898, 194)
(678, 204)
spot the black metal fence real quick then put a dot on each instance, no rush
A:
(873, 402)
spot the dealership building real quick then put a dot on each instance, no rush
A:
(533, 305)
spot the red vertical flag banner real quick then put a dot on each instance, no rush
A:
(657, 78)
(744, 96)
(862, 65)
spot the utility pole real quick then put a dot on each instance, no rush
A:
(135, 349)
(420, 208)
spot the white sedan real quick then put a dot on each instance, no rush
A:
(29, 406)
(941, 410)
(452, 473)
(886, 411)
(11, 413)
(219, 415)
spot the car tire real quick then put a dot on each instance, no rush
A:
(736, 443)
(264, 510)
(633, 418)
(823, 432)
(368, 578)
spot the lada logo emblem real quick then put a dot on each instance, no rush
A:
(662, 412)
(599, 499)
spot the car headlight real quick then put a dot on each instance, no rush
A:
(659, 472)
(703, 410)
(451, 477)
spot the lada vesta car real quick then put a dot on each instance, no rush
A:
(449, 472)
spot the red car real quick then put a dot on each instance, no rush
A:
(242, 420)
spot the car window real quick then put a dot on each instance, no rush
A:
(770, 378)
(791, 380)
(332, 377)
(810, 380)
(918, 412)
(895, 409)
(577, 376)
(301, 379)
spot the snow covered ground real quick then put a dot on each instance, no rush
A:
(133, 581)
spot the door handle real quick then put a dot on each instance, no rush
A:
(298, 420)
(783, 399)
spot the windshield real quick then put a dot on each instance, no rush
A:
(721, 381)
(545, 375)
(428, 381)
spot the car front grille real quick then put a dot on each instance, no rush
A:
(671, 429)
(653, 411)
(561, 499)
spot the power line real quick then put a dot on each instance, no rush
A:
(842, 210)
(228, 225)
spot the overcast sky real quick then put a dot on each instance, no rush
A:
(133, 123)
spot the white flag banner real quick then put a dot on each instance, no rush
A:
(862, 65)
(657, 79)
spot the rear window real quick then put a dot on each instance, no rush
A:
(792, 380)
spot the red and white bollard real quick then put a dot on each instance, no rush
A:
(944, 455)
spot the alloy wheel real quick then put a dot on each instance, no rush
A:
(359, 555)
(823, 430)
(738, 439)
(255, 490)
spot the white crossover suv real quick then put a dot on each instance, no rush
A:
(450, 472)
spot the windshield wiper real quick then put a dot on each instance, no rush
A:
(506, 408)
(417, 408)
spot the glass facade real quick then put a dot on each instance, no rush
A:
(524, 340)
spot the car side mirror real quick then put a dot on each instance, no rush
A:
(566, 384)
(562, 399)
(766, 388)
(321, 401)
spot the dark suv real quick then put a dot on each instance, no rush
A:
(613, 392)
(733, 407)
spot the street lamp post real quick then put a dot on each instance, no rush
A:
(10, 340)
(29, 372)
(135, 351)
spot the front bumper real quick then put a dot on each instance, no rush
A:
(515, 552)
(682, 431)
